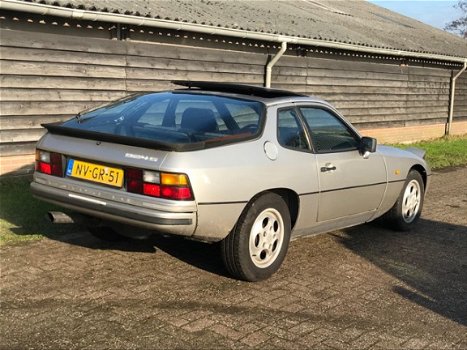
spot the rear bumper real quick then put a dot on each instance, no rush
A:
(123, 208)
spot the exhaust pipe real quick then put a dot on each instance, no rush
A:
(57, 217)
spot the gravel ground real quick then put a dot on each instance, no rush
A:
(365, 287)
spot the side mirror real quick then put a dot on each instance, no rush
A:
(367, 146)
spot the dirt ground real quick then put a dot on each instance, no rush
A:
(365, 287)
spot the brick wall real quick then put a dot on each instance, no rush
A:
(408, 134)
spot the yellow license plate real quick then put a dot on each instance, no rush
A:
(95, 172)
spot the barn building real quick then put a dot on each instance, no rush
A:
(393, 77)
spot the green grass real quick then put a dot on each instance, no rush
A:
(22, 217)
(443, 152)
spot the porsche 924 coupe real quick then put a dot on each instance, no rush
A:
(250, 167)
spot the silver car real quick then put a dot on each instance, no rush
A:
(247, 166)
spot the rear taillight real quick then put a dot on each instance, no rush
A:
(159, 185)
(179, 193)
(49, 163)
(134, 180)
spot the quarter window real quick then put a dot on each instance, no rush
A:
(290, 132)
(328, 132)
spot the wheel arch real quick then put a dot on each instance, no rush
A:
(423, 172)
(290, 197)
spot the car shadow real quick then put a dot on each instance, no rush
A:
(430, 261)
(25, 216)
(201, 255)
(204, 256)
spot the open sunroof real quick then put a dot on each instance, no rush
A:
(236, 88)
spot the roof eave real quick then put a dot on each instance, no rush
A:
(43, 9)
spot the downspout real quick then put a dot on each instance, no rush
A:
(267, 80)
(451, 98)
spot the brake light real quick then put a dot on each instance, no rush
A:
(44, 168)
(152, 190)
(159, 185)
(49, 163)
(179, 193)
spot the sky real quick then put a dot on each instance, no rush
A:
(436, 13)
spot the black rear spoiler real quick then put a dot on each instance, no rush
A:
(57, 129)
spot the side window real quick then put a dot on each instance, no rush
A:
(290, 132)
(328, 132)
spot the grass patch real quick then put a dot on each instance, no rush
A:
(443, 152)
(22, 217)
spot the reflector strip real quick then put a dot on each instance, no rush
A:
(86, 199)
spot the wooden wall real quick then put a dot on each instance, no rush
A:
(47, 77)
(460, 100)
(375, 95)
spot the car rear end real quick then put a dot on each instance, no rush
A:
(114, 182)
(108, 163)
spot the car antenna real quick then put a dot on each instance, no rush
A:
(78, 117)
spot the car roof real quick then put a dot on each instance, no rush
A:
(267, 96)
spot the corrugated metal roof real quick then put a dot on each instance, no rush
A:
(354, 22)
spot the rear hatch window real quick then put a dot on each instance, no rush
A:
(169, 120)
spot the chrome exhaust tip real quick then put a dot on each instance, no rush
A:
(57, 217)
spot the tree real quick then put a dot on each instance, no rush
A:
(459, 25)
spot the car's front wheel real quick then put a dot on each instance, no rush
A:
(408, 207)
(256, 247)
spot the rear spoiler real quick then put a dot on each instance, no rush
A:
(57, 129)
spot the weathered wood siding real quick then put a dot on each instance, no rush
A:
(373, 94)
(47, 77)
(460, 100)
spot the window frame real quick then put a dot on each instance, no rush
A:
(303, 125)
(334, 113)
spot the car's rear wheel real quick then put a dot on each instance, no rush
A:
(407, 210)
(256, 247)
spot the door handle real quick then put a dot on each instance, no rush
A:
(328, 167)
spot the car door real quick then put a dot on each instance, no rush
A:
(297, 166)
(350, 185)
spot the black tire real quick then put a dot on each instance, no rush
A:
(235, 248)
(395, 217)
(105, 233)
